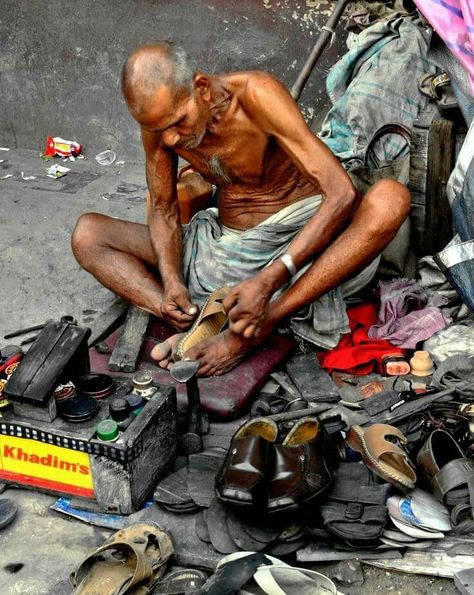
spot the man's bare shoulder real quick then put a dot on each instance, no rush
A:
(256, 85)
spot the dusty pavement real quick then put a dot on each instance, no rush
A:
(41, 280)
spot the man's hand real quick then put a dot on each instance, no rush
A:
(177, 308)
(247, 306)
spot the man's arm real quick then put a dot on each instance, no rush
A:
(278, 115)
(165, 230)
(272, 108)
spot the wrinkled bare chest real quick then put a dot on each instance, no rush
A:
(241, 159)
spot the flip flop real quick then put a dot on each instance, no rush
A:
(382, 450)
(275, 577)
(132, 560)
(211, 320)
(219, 535)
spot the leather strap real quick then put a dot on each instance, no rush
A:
(390, 128)
(375, 438)
(456, 473)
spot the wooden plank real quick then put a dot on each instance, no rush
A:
(441, 151)
(106, 322)
(443, 558)
(125, 355)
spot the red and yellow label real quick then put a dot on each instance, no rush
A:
(45, 466)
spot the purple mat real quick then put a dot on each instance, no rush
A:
(224, 397)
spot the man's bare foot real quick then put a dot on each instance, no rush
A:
(163, 352)
(220, 354)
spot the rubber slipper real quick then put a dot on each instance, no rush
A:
(131, 561)
(275, 577)
(211, 320)
(382, 450)
(286, 548)
(415, 531)
(8, 510)
(202, 471)
(242, 538)
(231, 576)
(173, 490)
(423, 510)
(181, 582)
(398, 536)
(220, 537)
(200, 527)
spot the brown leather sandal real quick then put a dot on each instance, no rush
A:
(211, 320)
(383, 450)
(132, 560)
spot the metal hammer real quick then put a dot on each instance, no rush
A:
(185, 371)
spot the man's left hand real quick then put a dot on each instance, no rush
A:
(247, 306)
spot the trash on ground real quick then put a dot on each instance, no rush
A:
(4, 149)
(106, 157)
(6, 177)
(57, 146)
(26, 178)
(57, 171)
(120, 163)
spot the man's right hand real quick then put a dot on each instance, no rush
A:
(177, 308)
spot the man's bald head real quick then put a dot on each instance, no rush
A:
(152, 66)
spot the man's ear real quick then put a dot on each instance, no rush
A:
(202, 85)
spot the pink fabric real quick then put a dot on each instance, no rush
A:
(453, 21)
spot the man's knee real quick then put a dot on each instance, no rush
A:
(389, 203)
(86, 235)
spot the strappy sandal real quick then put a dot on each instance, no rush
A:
(132, 560)
(383, 450)
(211, 320)
(450, 476)
(437, 86)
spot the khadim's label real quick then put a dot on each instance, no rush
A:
(45, 466)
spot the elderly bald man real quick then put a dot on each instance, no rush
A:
(291, 234)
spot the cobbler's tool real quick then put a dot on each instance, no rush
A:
(59, 351)
(291, 415)
(326, 33)
(185, 371)
(295, 401)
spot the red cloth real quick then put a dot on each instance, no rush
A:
(356, 353)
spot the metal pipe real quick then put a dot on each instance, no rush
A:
(325, 35)
(24, 331)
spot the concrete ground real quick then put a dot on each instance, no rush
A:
(41, 280)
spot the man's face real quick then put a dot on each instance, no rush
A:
(181, 121)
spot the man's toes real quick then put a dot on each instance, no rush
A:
(161, 351)
(205, 371)
(164, 351)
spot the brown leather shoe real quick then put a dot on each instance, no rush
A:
(449, 474)
(241, 480)
(301, 467)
